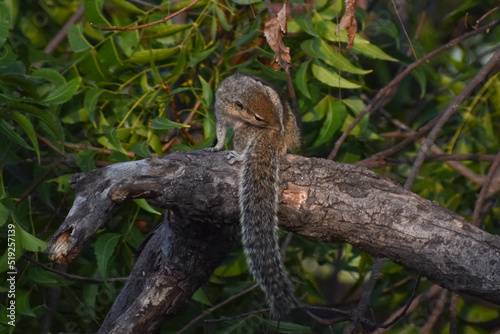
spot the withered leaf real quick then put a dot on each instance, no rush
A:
(348, 21)
(274, 30)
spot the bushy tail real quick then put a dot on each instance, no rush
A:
(259, 221)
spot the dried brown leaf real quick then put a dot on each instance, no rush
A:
(274, 31)
(348, 21)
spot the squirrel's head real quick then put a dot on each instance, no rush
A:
(248, 100)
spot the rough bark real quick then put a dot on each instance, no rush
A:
(320, 199)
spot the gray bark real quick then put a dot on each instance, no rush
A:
(320, 199)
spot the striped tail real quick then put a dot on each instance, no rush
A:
(258, 195)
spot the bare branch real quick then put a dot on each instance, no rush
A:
(443, 118)
(391, 85)
(476, 221)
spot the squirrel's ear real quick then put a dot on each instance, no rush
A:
(239, 104)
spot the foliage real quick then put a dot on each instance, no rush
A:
(100, 97)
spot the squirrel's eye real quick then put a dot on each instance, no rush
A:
(258, 119)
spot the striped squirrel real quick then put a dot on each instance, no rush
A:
(264, 127)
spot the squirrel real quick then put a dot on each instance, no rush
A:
(264, 128)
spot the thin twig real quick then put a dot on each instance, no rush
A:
(269, 7)
(435, 312)
(476, 221)
(484, 16)
(443, 118)
(405, 309)
(374, 162)
(49, 144)
(61, 34)
(391, 85)
(35, 185)
(453, 313)
(409, 307)
(443, 157)
(360, 310)
(74, 146)
(404, 29)
(165, 19)
(75, 277)
(215, 307)
(169, 144)
(239, 316)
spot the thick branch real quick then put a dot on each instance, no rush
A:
(321, 199)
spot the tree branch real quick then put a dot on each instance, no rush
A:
(376, 102)
(320, 199)
(443, 118)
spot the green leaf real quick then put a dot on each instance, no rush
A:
(43, 277)
(318, 48)
(28, 128)
(129, 41)
(86, 160)
(5, 22)
(8, 56)
(355, 104)
(93, 13)
(161, 123)
(332, 79)
(129, 7)
(335, 112)
(327, 30)
(90, 102)
(165, 29)
(222, 18)
(62, 182)
(113, 140)
(476, 313)
(301, 80)
(4, 214)
(202, 55)
(201, 297)
(143, 204)
(104, 248)
(144, 56)
(49, 75)
(11, 98)
(77, 40)
(108, 56)
(6, 129)
(46, 117)
(63, 93)
(305, 23)
(287, 327)
(89, 296)
(29, 242)
(208, 95)
(236, 266)
(23, 303)
(140, 149)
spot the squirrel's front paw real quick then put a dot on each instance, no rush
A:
(233, 157)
